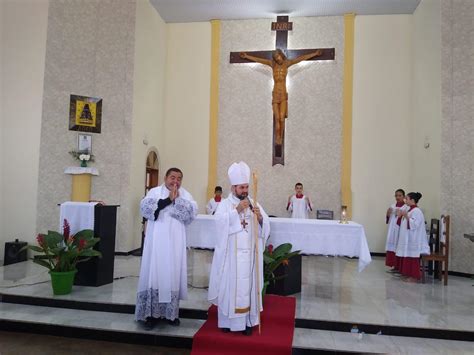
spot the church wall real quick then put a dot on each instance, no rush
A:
(457, 128)
(90, 52)
(381, 119)
(23, 27)
(313, 128)
(148, 107)
(187, 105)
(426, 125)
(2, 168)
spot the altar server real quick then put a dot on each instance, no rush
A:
(393, 230)
(214, 202)
(234, 284)
(299, 205)
(412, 240)
(163, 272)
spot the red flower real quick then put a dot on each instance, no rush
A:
(270, 249)
(285, 262)
(66, 230)
(40, 240)
(82, 244)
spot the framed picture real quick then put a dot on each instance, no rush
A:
(84, 143)
(85, 114)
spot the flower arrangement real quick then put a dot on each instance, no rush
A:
(62, 252)
(272, 259)
(82, 156)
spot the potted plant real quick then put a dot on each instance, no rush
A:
(60, 253)
(276, 267)
(82, 156)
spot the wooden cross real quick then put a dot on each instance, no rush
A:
(282, 26)
(244, 224)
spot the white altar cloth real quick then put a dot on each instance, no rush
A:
(311, 236)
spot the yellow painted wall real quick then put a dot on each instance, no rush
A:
(381, 119)
(148, 106)
(426, 124)
(187, 105)
(23, 47)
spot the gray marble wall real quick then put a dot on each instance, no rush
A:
(313, 127)
(89, 51)
(457, 146)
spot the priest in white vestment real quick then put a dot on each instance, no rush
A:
(163, 273)
(299, 205)
(233, 284)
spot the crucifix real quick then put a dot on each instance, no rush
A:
(280, 60)
(244, 224)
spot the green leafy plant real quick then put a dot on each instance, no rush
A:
(272, 259)
(61, 252)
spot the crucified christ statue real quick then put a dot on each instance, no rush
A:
(280, 65)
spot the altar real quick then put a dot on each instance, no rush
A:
(311, 236)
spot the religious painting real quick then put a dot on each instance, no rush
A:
(85, 114)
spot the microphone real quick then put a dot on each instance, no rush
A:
(241, 198)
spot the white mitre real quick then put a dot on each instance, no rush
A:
(239, 173)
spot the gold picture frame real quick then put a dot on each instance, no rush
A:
(85, 114)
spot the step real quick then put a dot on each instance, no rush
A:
(119, 327)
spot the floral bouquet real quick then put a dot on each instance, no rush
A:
(61, 252)
(83, 157)
(272, 259)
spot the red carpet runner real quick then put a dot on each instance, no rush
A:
(278, 324)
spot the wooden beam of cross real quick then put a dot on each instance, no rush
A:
(282, 26)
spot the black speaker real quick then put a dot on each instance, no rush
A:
(12, 252)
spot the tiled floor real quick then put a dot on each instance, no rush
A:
(332, 290)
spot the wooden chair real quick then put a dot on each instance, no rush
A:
(324, 214)
(441, 256)
(433, 242)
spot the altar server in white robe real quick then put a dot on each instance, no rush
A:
(393, 230)
(214, 202)
(412, 240)
(233, 279)
(299, 205)
(163, 273)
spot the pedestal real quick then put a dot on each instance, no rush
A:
(81, 183)
(81, 188)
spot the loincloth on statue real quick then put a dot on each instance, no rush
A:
(278, 97)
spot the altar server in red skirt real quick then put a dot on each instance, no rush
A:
(393, 230)
(412, 240)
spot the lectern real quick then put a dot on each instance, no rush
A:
(100, 271)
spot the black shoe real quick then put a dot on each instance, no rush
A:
(247, 331)
(174, 322)
(225, 330)
(149, 324)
